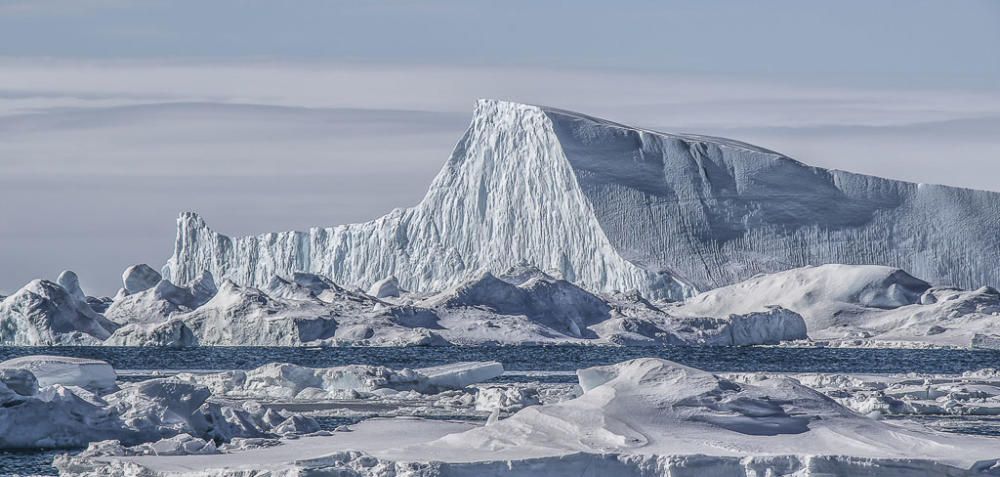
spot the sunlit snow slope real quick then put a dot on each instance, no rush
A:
(612, 207)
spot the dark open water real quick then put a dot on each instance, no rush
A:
(541, 358)
(523, 358)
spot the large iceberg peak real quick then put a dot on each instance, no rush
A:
(613, 208)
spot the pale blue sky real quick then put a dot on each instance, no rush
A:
(955, 39)
(115, 115)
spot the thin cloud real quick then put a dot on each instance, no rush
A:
(100, 156)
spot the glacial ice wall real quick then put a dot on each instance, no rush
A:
(505, 197)
(612, 207)
(715, 211)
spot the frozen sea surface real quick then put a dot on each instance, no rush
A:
(552, 364)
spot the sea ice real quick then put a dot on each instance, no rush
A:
(645, 417)
(54, 402)
(289, 381)
(460, 375)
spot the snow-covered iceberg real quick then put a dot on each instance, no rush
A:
(834, 305)
(617, 208)
(645, 417)
(861, 304)
(47, 313)
(522, 306)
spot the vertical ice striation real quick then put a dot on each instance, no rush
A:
(618, 208)
(506, 196)
(715, 211)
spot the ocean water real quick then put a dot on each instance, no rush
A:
(540, 358)
(524, 359)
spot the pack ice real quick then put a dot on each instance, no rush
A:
(57, 402)
(617, 208)
(645, 417)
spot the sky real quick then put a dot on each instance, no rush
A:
(116, 115)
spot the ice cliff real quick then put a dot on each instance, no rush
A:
(612, 207)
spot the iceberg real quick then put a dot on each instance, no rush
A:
(862, 305)
(44, 313)
(522, 306)
(614, 208)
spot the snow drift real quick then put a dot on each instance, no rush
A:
(616, 208)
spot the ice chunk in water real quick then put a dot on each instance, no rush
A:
(48, 370)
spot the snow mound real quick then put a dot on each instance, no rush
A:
(616, 208)
(91, 374)
(151, 305)
(822, 295)
(505, 398)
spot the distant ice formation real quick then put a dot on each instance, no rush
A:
(549, 226)
(523, 306)
(830, 305)
(862, 306)
(616, 208)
